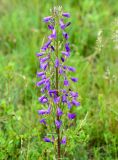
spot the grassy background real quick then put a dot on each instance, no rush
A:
(94, 44)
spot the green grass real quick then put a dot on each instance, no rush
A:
(96, 60)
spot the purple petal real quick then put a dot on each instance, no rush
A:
(68, 24)
(63, 141)
(42, 111)
(64, 99)
(54, 92)
(42, 121)
(51, 27)
(75, 103)
(74, 79)
(69, 105)
(72, 69)
(62, 25)
(42, 60)
(56, 100)
(62, 59)
(65, 67)
(40, 83)
(53, 35)
(47, 19)
(59, 111)
(44, 66)
(43, 76)
(67, 47)
(66, 36)
(66, 83)
(39, 74)
(60, 71)
(66, 15)
(71, 115)
(74, 94)
(58, 123)
(65, 53)
(49, 110)
(43, 99)
(57, 62)
(40, 54)
(47, 139)
(46, 45)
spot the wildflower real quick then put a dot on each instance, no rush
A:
(71, 115)
(59, 111)
(66, 36)
(47, 19)
(58, 123)
(47, 139)
(66, 83)
(66, 15)
(63, 141)
(42, 121)
(54, 82)
(67, 54)
(74, 79)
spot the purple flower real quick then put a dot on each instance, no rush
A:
(57, 62)
(66, 15)
(64, 99)
(43, 111)
(74, 94)
(46, 45)
(52, 92)
(75, 103)
(59, 111)
(72, 69)
(58, 123)
(43, 99)
(42, 60)
(47, 19)
(42, 121)
(40, 83)
(62, 25)
(74, 79)
(66, 36)
(53, 35)
(46, 139)
(63, 141)
(67, 54)
(51, 66)
(44, 66)
(66, 83)
(65, 67)
(43, 76)
(40, 54)
(67, 47)
(71, 115)
(69, 105)
(51, 27)
(68, 24)
(62, 59)
(39, 74)
(60, 71)
(56, 100)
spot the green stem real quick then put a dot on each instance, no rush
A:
(57, 82)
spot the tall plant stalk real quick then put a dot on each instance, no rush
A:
(56, 93)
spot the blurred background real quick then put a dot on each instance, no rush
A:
(94, 44)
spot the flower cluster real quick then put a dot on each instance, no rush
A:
(53, 80)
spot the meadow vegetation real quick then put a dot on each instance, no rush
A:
(94, 38)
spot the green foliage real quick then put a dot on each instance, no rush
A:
(94, 40)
